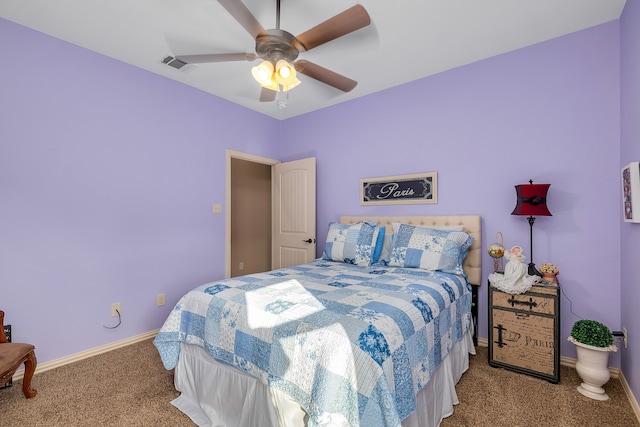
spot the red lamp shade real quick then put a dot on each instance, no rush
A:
(531, 200)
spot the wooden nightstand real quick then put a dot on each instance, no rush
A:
(524, 331)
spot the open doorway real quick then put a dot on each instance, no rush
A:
(249, 216)
(251, 220)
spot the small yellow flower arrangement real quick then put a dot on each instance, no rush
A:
(548, 268)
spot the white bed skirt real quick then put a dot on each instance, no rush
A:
(217, 395)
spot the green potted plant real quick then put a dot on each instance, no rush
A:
(593, 341)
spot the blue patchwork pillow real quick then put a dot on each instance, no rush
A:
(386, 246)
(429, 249)
(351, 243)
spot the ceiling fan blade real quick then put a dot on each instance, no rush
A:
(324, 75)
(216, 57)
(267, 95)
(243, 15)
(343, 23)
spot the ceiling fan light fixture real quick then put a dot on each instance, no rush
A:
(272, 85)
(282, 79)
(283, 69)
(263, 73)
(286, 75)
(290, 86)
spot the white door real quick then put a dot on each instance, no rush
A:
(294, 212)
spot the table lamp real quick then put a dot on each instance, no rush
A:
(532, 202)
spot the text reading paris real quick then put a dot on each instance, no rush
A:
(391, 190)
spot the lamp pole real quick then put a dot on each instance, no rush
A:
(532, 267)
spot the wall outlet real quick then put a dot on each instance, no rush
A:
(161, 300)
(115, 307)
(241, 266)
(217, 208)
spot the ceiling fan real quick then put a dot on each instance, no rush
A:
(279, 49)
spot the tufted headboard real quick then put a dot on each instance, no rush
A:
(472, 264)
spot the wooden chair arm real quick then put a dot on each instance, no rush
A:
(3, 337)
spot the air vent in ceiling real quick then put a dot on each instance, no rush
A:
(173, 62)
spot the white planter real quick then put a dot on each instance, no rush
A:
(593, 368)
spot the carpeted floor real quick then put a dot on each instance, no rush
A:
(129, 387)
(497, 397)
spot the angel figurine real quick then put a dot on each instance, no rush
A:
(515, 279)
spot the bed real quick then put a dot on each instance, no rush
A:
(376, 332)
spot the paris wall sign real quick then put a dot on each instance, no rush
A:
(401, 189)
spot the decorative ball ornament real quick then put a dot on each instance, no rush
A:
(496, 250)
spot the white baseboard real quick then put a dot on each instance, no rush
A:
(632, 398)
(615, 373)
(571, 363)
(42, 367)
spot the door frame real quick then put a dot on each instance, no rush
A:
(232, 154)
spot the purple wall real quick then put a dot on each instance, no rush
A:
(630, 152)
(108, 175)
(549, 112)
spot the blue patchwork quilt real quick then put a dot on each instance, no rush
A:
(352, 345)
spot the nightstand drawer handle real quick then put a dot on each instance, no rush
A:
(531, 303)
(500, 342)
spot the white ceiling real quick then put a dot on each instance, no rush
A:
(407, 39)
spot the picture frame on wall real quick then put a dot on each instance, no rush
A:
(631, 192)
(400, 189)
